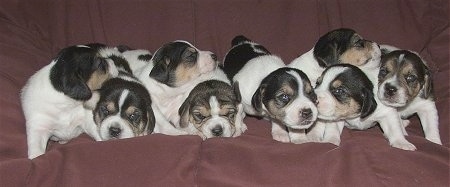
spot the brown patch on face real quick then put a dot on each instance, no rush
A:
(277, 105)
(185, 72)
(97, 79)
(407, 71)
(336, 83)
(138, 126)
(348, 109)
(99, 117)
(359, 51)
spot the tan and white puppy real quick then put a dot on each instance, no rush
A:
(337, 46)
(282, 95)
(175, 69)
(52, 99)
(405, 82)
(345, 92)
(213, 109)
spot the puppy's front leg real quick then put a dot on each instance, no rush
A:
(241, 127)
(163, 126)
(37, 139)
(391, 125)
(298, 136)
(430, 123)
(333, 131)
(316, 131)
(279, 133)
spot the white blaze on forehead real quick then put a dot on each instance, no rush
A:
(299, 81)
(330, 75)
(215, 106)
(83, 46)
(183, 41)
(256, 49)
(122, 98)
(400, 58)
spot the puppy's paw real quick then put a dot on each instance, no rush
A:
(314, 137)
(435, 140)
(403, 144)
(281, 137)
(299, 140)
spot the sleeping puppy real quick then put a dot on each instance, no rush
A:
(53, 97)
(345, 92)
(123, 109)
(337, 46)
(175, 69)
(405, 82)
(213, 109)
(283, 95)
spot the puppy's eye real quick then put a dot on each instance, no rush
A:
(383, 72)
(411, 78)
(192, 57)
(198, 116)
(134, 117)
(231, 114)
(312, 96)
(284, 98)
(104, 110)
(339, 91)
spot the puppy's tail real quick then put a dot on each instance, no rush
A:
(239, 39)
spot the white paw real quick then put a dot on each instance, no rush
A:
(299, 139)
(435, 140)
(281, 137)
(403, 144)
(314, 137)
(334, 140)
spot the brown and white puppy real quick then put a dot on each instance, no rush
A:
(52, 99)
(345, 92)
(282, 95)
(175, 69)
(337, 46)
(405, 82)
(213, 109)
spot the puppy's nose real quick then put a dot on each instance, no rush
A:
(114, 131)
(306, 113)
(390, 90)
(217, 131)
(214, 57)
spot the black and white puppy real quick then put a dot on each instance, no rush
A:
(175, 69)
(213, 109)
(283, 95)
(338, 46)
(405, 82)
(52, 100)
(345, 92)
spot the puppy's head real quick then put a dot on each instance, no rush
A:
(177, 63)
(344, 92)
(403, 76)
(123, 110)
(286, 95)
(80, 69)
(212, 108)
(345, 46)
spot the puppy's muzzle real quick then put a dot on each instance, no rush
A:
(114, 131)
(217, 130)
(390, 90)
(306, 113)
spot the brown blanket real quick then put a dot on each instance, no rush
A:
(31, 33)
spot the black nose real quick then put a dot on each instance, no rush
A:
(114, 131)
(306, 113)
(214, 57)
(217, 131)
(390, 90)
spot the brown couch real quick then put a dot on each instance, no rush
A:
(31, 33)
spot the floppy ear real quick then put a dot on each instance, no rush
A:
(369, 103)
(183, 111)
(237, 91)
(160, 71)
(257, 98)
(69, 81)
(150, 119)
(326, 53)
(427, 89)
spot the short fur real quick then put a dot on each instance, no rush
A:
(213, 109)
(405, 82)
(53, 97)
(283, 95)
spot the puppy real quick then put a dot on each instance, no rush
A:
(175, 69)
(405, 82)
(123, 109)
(338, 46)
(213, 109)
(345, 92)
(283, 95)
(52, 100)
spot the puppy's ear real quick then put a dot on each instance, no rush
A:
(237, 91)
(369, 103)
(427, 89)
(151, 121)
(239, 39)
(326, 53)
(183, 111)
(160, 71)
(123, 48)
(257, 98)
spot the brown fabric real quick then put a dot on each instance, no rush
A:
(31, 33)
